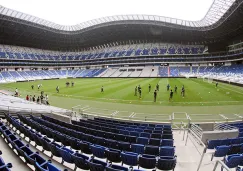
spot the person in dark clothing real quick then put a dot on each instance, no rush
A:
(140, 91)
(136, 91)
(168, 87)
(171, 95)
(183, 91)
(102, 89)
(157, 87)
(175, 89)
(72, 83)
(149, 88)
(33, 98)
(155, 95)
(32, 86)
(38, 99)
(57, 89)
(217, 84)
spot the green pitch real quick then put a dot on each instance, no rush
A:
(200, 97)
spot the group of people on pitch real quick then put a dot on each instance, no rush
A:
(139, 90)
(42, 99)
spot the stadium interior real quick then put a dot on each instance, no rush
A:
(67, 99)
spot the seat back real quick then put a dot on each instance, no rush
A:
(129, 158)
(80, 161)
(166, 163)
(113, 155)
(98, 151)
(167, 151)
(152, 150)
(147, 162)
(137, 148)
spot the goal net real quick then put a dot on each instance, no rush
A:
(209, 80)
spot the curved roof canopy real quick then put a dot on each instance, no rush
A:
(214, 14)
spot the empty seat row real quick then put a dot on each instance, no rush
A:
(75, 143)
(211, 144)
(93, 138)
(97, 125)
(222, 151)
(32, 158)
(101, 132)
(112, 155)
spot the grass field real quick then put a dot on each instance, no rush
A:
(201, 97)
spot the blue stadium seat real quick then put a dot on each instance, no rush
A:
(55, 149)
(113, 155)
(96, 165)
(98, 151)
(137, 148)
(80, 161)
(166, 142)
(116, 168)
(220, 151)
(66, 154)
(129, 158)
(145, 134)
(232, 161)
(154, 141)
(142, 140)
(152, 150)
(166, 163)
(167, 151)
(147, 161)
(46, 167)
(213, 143)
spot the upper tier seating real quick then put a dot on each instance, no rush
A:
(14, 52)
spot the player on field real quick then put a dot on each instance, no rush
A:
(57, 89)
(32, 86)
(72, 83)
(175, 89)
(183, 91)
(140, 91)
(157, 87)
(217, 84)
(168, 87)
(155, 95)
(16, 92)
(102, 89)
(136, 91)
(149, 88)
(171, 95)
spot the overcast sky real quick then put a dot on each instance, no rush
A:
(71, 12)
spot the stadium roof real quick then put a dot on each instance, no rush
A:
(215, 12)
(222, 23)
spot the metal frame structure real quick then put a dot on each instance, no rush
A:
(214, 14)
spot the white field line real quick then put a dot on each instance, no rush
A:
(131, 115)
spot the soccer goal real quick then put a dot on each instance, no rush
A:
(206, 79)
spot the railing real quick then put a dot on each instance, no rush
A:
(222, 126)
(20, 110)
(91, 112)
(222, 164)
(196, 131)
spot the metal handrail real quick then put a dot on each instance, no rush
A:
(222, 164)
(202, 143)
(223, 126)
